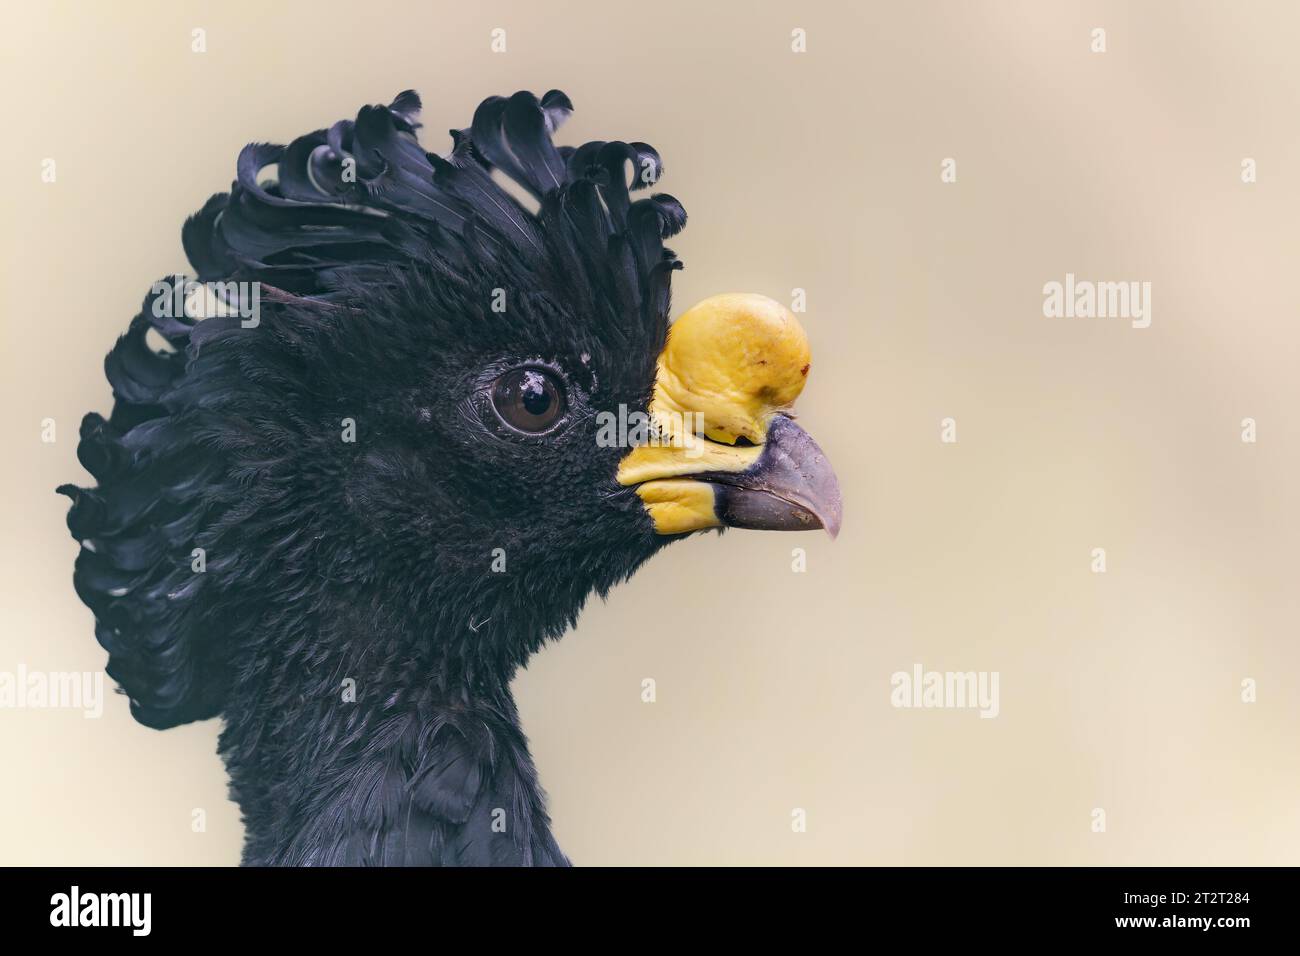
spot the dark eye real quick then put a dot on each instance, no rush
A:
(530, 400)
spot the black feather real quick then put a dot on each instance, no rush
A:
(243, 561)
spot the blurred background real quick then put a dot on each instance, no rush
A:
(818, 171)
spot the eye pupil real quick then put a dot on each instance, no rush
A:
(536, 398)
(528, 399)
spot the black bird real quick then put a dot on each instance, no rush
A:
(387, 441)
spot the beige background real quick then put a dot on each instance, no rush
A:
(818, 171)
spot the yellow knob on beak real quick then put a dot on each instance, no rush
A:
(736, 359)
(732, 366)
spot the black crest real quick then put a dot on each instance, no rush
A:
(350, 206)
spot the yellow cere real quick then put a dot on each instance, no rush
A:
(731, 363)
(737, 359)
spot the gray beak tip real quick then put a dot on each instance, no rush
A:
(791, 487)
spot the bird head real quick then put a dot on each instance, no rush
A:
(459, 411)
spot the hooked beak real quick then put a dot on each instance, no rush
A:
(790, 488)
(733, 366)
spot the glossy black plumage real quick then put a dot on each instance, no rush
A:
(370, 563)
